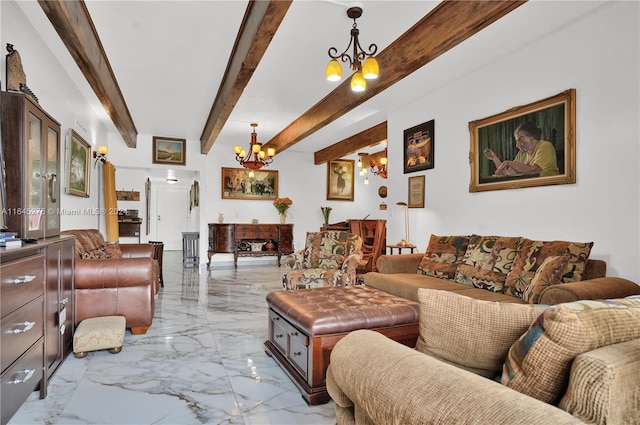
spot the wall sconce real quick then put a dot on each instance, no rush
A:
(100, 155)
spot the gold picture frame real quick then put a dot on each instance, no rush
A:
(238, 183)
(416, 192)
(340, 179)
(554, 117)
(79, 165)
(169, 150)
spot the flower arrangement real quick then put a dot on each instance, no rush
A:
(326, 211)
(282, 205)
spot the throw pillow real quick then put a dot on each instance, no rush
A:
(472, 334)
(549, 273)
(95, 254)
(443, 255)
(538, 364)
(531, 254)
(487, 262)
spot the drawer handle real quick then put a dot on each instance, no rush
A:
(64, 301)
(297, 353)
(279, 336)
(293, 334)
(27, 327)
(22, 279)
(28, 374)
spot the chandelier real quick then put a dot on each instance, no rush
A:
(365, 69)
(255, 158)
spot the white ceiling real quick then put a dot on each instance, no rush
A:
(169, 58)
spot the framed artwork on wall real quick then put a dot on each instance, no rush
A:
(79, 165)
(340, 174)
(525, 146)
(416, 192)
(168, 150)
(419, 147)
(242, 183)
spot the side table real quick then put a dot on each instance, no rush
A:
(400, 248)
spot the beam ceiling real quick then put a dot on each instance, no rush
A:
(73, 24)
(447, 25)
(369, 137)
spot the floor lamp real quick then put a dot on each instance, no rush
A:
(405, 241)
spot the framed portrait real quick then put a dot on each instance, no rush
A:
(525, 146)
(167, 150)
(418, 147)
(79, 165)
(416, 192)
(340, 174)
(242, 183)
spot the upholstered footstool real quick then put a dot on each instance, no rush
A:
(99, 333)
(305, 325)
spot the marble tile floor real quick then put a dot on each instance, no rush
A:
(201, 362)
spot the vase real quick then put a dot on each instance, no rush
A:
(283, 217)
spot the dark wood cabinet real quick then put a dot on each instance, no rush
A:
(36, 292)
(31, 140)
(250, 240)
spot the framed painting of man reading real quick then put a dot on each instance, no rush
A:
(525, 146)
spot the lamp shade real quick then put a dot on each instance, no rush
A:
(334, 70)
(370, 69)
(358, 83)
(102, 150)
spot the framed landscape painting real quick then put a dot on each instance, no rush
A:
(167, 150)
(79, 165)
(340, 179)
(242, 183)
(525, 146)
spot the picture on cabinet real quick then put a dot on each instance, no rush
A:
(79, 165)
(525, 146)
(167, 150)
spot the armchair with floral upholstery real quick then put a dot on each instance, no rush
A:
(330, 258)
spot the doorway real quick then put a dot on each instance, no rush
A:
(172, 215)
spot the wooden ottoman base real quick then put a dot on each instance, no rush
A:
(99, 333)
(305, 325)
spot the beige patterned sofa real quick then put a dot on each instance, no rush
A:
(483, 362)
(330, 258)
(500, 268)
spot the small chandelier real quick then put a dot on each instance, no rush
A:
(365, 69)
(255, 158)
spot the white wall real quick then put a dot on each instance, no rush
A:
(597, 55)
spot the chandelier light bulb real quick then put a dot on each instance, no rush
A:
(370, 69)
(358, 83)
(334, 71)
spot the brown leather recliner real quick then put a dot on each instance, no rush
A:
(114, 280)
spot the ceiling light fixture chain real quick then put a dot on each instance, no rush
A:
(255, 158)
(363, 63)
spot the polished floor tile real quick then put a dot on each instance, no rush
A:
(201, 362)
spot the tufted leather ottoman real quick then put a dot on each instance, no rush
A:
(305, 325)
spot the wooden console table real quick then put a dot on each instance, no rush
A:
(239, 239)
(129, 228)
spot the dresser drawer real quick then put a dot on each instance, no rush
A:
(279, 329)
(257, 231)
(21, 281)
(20, 380)
(298, 351)
(20, 330)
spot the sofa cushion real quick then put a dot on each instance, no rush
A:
(487, 262)
(472, 334)
(531, 254)
(443, 255)
(549, 273)
(538, 364)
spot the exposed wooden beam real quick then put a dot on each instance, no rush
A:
(73, 23)
(260, 22)
(447, 25)
(364, 139)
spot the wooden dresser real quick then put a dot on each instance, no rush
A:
(36, 294)
(250, 240)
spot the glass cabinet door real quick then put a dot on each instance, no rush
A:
(35, 200)
(51, 182)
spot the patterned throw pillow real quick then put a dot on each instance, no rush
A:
(531, 255)
(472, 334)
(549, 273)
(487, 262)
(538, 364)
(443, 255)
(96, 254)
